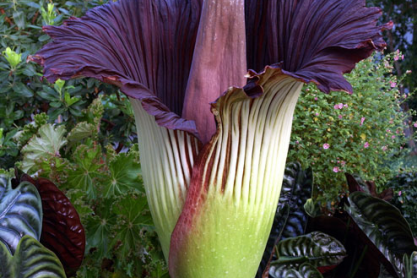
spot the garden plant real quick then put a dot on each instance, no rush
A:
(210, 89)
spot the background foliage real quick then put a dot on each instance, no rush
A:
(362, 133)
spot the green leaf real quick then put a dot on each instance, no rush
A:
(99, 231)
(125, 174)
(133, 215)
(30, 260)
(20, 213)
(384, 225)
(304, 270)
(89, 170)
(22, 90)
(44, 146)
(315, 248)
(81, 131)
(70, 100)
(19, 19)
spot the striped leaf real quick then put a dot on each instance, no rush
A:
(316, 248)
(304, 270)
(20, 213)
(384, 225)
(410, 265)
(30, 260)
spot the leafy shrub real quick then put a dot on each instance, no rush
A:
(356, 133)
(23, 92)
(405, 188)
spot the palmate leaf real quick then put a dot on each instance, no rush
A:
(99, 230)
(89, 168)
(134, 215)
(44, 145)
(30, 260)
(316, 248)
(125, 174)
(304, 270)
(384, 225)
(20, 213)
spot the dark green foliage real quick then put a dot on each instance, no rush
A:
(24, 94)
(405, 188)
(304, 270)
(384, 226)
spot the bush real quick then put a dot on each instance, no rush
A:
(358, 133)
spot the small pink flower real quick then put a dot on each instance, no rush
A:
(317, 114)
(297, 142)
(399, 193)
(338, 106)
(340, 117)
(393, 84)
(384, 148)
(393, 136)
(326, 146)
(391, 121)
(388, 130)
(396, 57)
(408, 72)
(362, 120)
(315, 98)
(336, 169)
(343, 163)
(415, 124)
(402, 57)
(366, 145)
(345, 105)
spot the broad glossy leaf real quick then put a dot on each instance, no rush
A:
(290, 219)
(62, 230)
(30, 260)
(20, 213)
(296, 190)
(304, 270)
(44, 145)
(384, 225)
(315, 248)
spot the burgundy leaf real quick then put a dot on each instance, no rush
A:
(314, 41)
(62, 231)
(145, 47)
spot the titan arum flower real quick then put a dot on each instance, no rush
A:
(213, 84)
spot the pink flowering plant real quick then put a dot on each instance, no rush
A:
(361, 133)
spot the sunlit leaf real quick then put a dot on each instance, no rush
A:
(43, 146)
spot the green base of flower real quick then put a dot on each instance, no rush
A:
(223, 244)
